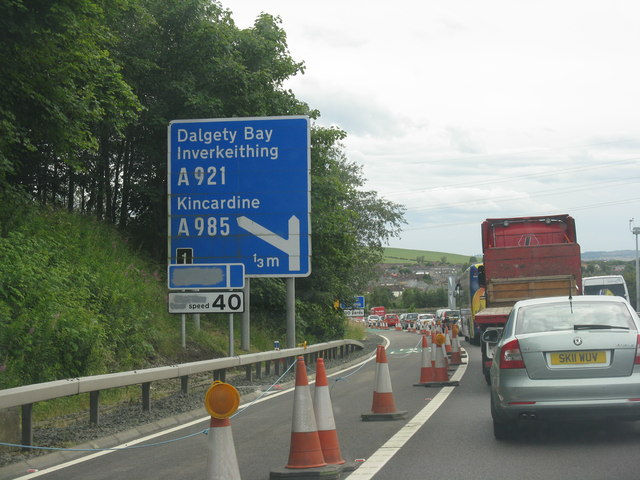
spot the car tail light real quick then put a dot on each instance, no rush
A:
(637, 360)
(510, 355)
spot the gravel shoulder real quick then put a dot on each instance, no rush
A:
(125, 422)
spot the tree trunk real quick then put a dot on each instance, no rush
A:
(71, 188)
(126, 184)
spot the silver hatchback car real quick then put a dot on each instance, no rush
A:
(562, 357)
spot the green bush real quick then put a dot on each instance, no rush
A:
(74, 300)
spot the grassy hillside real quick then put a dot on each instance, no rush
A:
(76, 299)
(401, 255)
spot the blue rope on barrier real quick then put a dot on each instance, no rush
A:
(265, 392)
(146, 445)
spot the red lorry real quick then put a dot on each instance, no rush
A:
(380, 311)
(525, 257)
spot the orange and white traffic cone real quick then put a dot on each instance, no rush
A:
(324, 417)
(440, 373)
(433, 349)
(447, 341)
(222, 463)
(456, 356)
(426, 372)
(305, 451)
(383, 406)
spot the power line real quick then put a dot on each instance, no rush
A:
(549, 192)
(496, 180)
(540, 214)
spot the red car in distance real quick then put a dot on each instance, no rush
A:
(391, 319)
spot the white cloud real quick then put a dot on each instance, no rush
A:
(463, 110)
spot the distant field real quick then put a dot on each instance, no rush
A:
(401, 255)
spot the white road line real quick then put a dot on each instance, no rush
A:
(386, 452)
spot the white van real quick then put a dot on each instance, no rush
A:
(440, 313)
(605, 285)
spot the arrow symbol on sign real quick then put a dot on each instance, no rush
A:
(290, 245)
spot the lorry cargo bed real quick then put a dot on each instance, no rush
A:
(507, 291)
(493, 315)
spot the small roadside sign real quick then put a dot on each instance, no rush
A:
(206, 302)
(205, 276)
(357, 303)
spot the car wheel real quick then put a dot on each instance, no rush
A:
(502, 430)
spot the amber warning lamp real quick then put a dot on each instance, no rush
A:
(221, 400)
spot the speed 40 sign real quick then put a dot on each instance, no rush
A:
(206, 302)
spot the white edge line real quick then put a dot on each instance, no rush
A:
(378, 460)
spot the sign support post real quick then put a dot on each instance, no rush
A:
(246, 316)
(184, 330)
(291, 312)
(231, 335)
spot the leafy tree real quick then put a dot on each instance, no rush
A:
(413, 298)
(381, 297)
(349, 225)
(437, 298)
(629, 275)
(59, 83)
(88, 89)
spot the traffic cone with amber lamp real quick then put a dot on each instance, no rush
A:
(221, 401)
(440, 372)
(456, 355)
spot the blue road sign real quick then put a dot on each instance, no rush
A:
(239, 192)
(357, 304)
(204, 276)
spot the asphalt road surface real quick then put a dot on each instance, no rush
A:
(446, 434)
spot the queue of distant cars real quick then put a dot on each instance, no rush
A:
(389, 320)
(413, 320)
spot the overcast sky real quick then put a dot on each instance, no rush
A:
(466, 110)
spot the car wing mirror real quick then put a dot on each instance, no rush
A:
(491, 336)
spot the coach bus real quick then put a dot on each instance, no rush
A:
(470, 290)
(605, 285)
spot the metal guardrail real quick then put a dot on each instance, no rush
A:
(27, 395)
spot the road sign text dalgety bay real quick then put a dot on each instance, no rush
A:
(239, 192)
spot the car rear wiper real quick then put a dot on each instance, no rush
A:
(600, 327)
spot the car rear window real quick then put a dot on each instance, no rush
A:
(566, 315)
